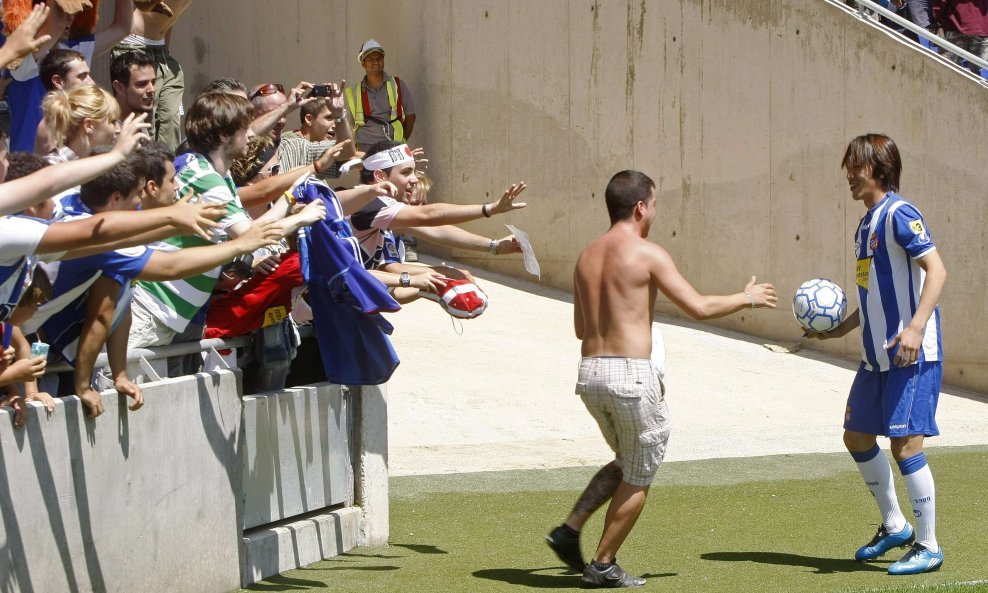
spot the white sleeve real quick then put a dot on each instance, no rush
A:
(19, 237)
(27, 70)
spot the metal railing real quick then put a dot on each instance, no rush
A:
(143, 356)
(933, 38)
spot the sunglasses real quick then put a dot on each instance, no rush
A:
(268, 89)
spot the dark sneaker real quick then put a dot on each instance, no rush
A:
(885, 541)
(918, 560)
(611, 577)
(567, 547)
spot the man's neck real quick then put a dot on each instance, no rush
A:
(124, 110)
(374, 80)
(219, 161)
(306, 133)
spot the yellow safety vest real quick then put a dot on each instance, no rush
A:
(358, 108)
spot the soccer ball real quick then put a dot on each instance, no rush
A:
(819, 305)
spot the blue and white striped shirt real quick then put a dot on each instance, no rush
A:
(890, 239)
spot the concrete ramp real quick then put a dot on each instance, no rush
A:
(500, 395)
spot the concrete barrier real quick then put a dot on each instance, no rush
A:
(129, 499)
(158, 500)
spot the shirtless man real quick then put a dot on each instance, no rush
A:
(614, 288)
(150, 32)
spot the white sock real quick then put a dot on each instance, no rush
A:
(922, 493)
(877, 474)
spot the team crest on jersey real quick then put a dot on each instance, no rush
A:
(873, 242)
(392, 250)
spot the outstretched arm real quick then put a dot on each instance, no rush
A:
(117, 229)
(442, 213)
(270, 189)
(457, 238)
(197, 260)
(671, 282)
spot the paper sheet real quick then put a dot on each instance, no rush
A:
(531, 263)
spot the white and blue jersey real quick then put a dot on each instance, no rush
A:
(19, 239)
(889, 240)
(62, 317)
(69, 203)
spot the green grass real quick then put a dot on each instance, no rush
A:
(766, 524)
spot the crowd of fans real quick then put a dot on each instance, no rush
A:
(963, 23)
(129, 222)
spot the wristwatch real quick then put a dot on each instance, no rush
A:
(341, 117)
(405, 279)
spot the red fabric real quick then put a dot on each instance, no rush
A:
(242, 311)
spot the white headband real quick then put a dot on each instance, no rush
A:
(399, 155)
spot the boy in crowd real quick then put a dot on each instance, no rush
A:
(218, 132)
(374, 224)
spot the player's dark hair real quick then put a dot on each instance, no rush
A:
(155, 155)
(214, 115)
(57, 62)
(878, 152)
(624, 191)
(121, 63)
(22, 164)
(380, 146)
(124, 178)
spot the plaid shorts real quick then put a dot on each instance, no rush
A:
(625, 397)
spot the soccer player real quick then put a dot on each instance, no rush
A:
(900, 276)
(614, 287)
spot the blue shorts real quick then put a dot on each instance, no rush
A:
(895, 403)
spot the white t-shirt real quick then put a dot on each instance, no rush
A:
(19, 239)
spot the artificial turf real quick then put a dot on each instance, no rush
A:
(763, 524)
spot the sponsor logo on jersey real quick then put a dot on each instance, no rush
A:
(917, 227)
(863, 272)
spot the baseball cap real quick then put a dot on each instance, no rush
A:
(370, 46)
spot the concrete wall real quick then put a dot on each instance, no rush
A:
(127, 500)
(296, 454)
(163, 495)
(740, 109)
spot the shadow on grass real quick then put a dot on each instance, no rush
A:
(283, 583)
(534, 577)
(819, 565)
(421, 548)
